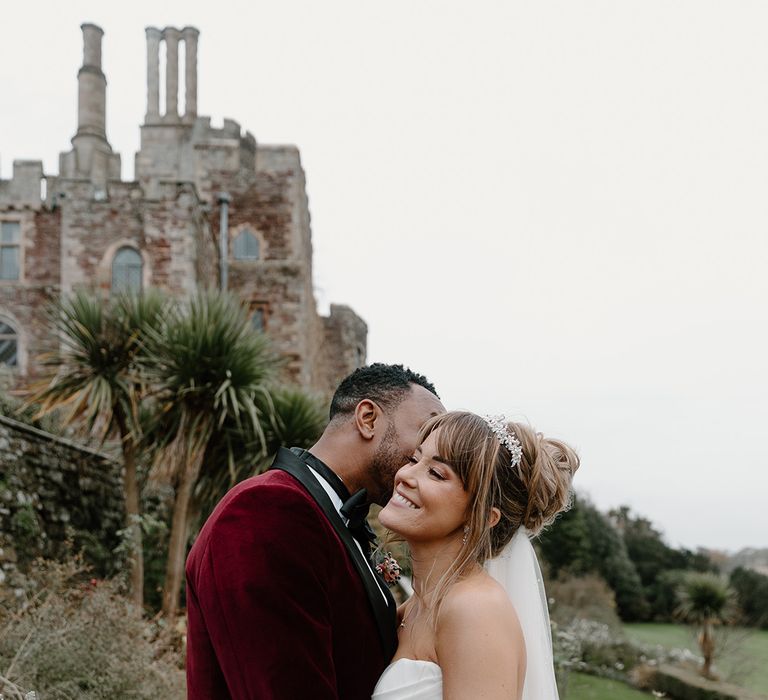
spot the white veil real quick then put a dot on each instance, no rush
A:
(517, 570)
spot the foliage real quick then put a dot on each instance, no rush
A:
(595, 648)
(742, 657)
(584, 541)
(751, 590)
(587, 597)
(627, 552)
(565, 546)
(157, 506)
(703, 597)
(208, 366)
(210, 370)
(664, 595)
(93, 379)
(585, 687)
(598, 650)
(186, 388)
(79, 638)
(614, 565)
(154, 530)
(93, 376)
(652, 558)
(29, 414)
(25, 527)
(705, 600)
(297, 419)
(292, 417)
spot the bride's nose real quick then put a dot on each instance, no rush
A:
(406, 473)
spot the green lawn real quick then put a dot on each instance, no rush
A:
(583, 687)
(744, 659)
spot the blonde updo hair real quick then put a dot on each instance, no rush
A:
(528, 495)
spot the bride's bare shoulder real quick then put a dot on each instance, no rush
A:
(478, 641)
(478, 600)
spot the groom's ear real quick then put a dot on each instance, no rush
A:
(495, 516)
(366, 413)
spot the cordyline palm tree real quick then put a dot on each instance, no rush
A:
(209, 369)
(706, 601)
(289, 416)
(297, 418)
(93, 377)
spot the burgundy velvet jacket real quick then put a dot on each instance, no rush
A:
(277, 604)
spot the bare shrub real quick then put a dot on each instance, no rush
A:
(582, 597)
(642, 676)
(74, 637)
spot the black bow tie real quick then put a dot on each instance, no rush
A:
(354, 508)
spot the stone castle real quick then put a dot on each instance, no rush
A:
(209, 207)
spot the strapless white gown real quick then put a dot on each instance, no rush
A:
(409, 679)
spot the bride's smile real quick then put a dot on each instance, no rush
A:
(429, 502)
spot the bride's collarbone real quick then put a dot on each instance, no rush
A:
(416, 641)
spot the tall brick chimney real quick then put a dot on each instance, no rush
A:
(154, 35)
(190, 35)
(172, 37)
(91, 155)
(91, 86)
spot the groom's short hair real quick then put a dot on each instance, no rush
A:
(387, 385)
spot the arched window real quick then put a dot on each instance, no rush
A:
(259, 314)
(9, 345)
(127, 270)
(257, 320)
(245, 246)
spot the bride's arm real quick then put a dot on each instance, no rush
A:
(479, 645)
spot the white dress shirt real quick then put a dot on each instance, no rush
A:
(337, 503)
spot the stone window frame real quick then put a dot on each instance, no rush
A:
(123, 277)
(263, 307)
(105, 266)
(235, 231)
(20, 220)
(21, 344)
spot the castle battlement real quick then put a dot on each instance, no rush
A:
(208, 204)
(26, 186)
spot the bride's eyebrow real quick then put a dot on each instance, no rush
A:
(442, 460)
(435, 458)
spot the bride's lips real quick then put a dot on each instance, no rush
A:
(403, 501)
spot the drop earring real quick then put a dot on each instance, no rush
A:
(466, 532)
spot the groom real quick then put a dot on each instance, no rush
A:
(282, 601)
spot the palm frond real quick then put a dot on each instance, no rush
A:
(210, 365)
(94, 374)
(705, 596)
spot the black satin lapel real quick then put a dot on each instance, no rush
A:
(384, 613)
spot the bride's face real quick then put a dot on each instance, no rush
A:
(429, 501)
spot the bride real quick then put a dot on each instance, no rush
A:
(466, 503)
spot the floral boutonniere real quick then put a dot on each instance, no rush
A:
(388, 569)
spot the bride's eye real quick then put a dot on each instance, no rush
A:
(412, 460)
(437, 474)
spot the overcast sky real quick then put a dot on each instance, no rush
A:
(555, 209)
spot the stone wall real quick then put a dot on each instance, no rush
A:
(53, 492)
(346, 339)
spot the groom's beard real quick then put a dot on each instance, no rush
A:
(388, 459)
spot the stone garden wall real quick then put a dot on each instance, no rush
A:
(55, 495)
